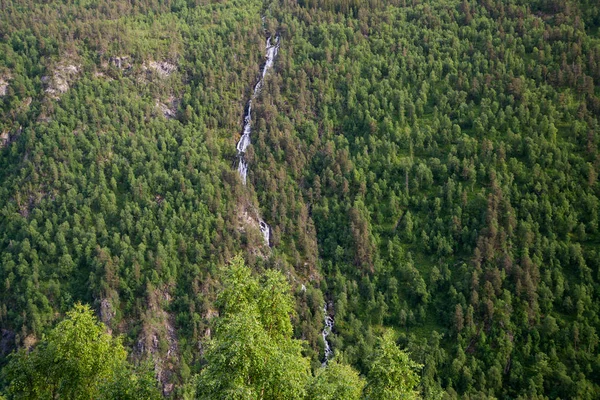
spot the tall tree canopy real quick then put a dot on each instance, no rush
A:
(392, 374)
(252, 354)
(77, 360)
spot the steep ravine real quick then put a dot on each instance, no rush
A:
(271, 52)
(272, 48)
(326, 331)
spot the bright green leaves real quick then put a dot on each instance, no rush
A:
(238, 289)
(78, 360)
(276, 304)
(392, 374)
(336, 381)
(270, 297)
(252, 354)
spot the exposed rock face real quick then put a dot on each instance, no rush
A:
(121, 62)
(163, 68)
(30, 341)
(3, 86)
(4, 139)
(106, 312)
(60, 80)
(169, 110)
(7, 137)
(159, 338)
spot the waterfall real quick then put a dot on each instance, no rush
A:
(326, 331)
(244, 142)
(272, 47)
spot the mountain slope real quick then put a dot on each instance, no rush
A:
(425, 167)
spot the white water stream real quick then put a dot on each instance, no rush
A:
(326, 331)
(244, 142)
(242, 145)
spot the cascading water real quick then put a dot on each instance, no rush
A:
(242, 145)
(244, 142)
(326, 331)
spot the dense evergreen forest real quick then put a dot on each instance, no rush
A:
(428, 168)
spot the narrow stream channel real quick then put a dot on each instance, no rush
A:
(271, 52)
(272, 48)
(326, 331)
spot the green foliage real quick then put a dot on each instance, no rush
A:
(252, 354)
(392, 374)
(429, 167)
(335, 381)
(130, 383)
(104, 199)
(78, 360)
(452, 183)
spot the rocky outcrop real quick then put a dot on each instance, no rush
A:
(168, 109)
(163, 68)
(4, 139)
(61, 79)
(159, 338)
(4, 85)
(121, 62)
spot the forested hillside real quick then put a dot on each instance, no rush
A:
(428, 168)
